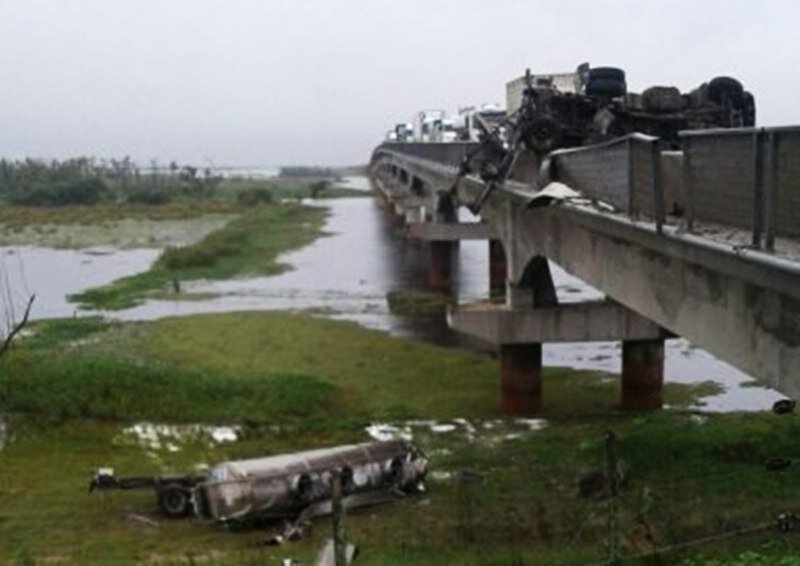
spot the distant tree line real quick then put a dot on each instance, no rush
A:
(310, 172)
(85, 180)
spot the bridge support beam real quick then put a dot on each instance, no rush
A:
(520, 378)
(642, 374)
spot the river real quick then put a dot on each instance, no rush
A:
(347, 274)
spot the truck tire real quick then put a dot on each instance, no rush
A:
(303, 488)
(725, 88)
(610, 73)
(395, 471)
(662, 99)
(542, 135)
(749, 110)
(174, 500)
(606, 87)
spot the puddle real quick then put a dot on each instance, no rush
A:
(484, 432)
(171, 437)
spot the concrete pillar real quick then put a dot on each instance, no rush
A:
(642, 374)
(498, 269)
(520, 378)
(441, 265)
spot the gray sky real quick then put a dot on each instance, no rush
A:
(315, 81)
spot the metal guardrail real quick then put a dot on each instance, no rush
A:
(748, 178)
(625, 173)
(447, 153)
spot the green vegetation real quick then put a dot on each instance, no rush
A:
(415, 303)
(248, 245)
(283, 188)
(89, 181)
(294, 382)
(301, 172)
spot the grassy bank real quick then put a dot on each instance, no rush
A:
(247, 245)
(285, 188)
(499, 494)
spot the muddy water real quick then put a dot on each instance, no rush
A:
(53, 274)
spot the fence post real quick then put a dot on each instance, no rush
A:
(758, 187)
(339, 542)
(612, 483)
(655, 183)
(688, 191)
(631, 177)
(771, 193)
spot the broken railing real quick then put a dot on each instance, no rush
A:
(747, 178)
(628, 173)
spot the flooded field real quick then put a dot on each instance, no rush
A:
(348, 274)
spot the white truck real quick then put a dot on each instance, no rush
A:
(468, 123)
(435, 126)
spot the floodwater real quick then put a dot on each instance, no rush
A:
(348, 274)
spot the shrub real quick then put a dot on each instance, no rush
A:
(60, 193)
(254, 197)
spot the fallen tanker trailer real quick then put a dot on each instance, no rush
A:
(295, 485)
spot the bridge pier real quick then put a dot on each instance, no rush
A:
(642, 374)
(441, 264)
(532, 316)
(498, 269)
(520, 378)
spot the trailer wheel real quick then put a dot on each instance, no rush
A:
(610, 73)
(174, 500)
(304, 488)
(606, 87)
(394, 471)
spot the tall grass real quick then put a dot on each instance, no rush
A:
(60, 387)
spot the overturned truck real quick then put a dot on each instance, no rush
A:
(295, 485)
(593, 105)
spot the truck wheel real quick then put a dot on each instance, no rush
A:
(610, 73)
(304, 488)
(662, 99)
(722, 88)
(542, 135)
(606, 87)
(174, 500)
(749, 110)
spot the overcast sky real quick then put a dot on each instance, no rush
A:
(320, 81)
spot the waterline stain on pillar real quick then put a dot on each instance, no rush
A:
(498, 269)
(642, 374)
(441, 265)
(520, 378)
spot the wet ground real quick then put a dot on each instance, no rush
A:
(347, 274)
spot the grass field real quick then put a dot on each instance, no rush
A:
(497, 495)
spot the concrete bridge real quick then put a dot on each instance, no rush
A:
(702, 243)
